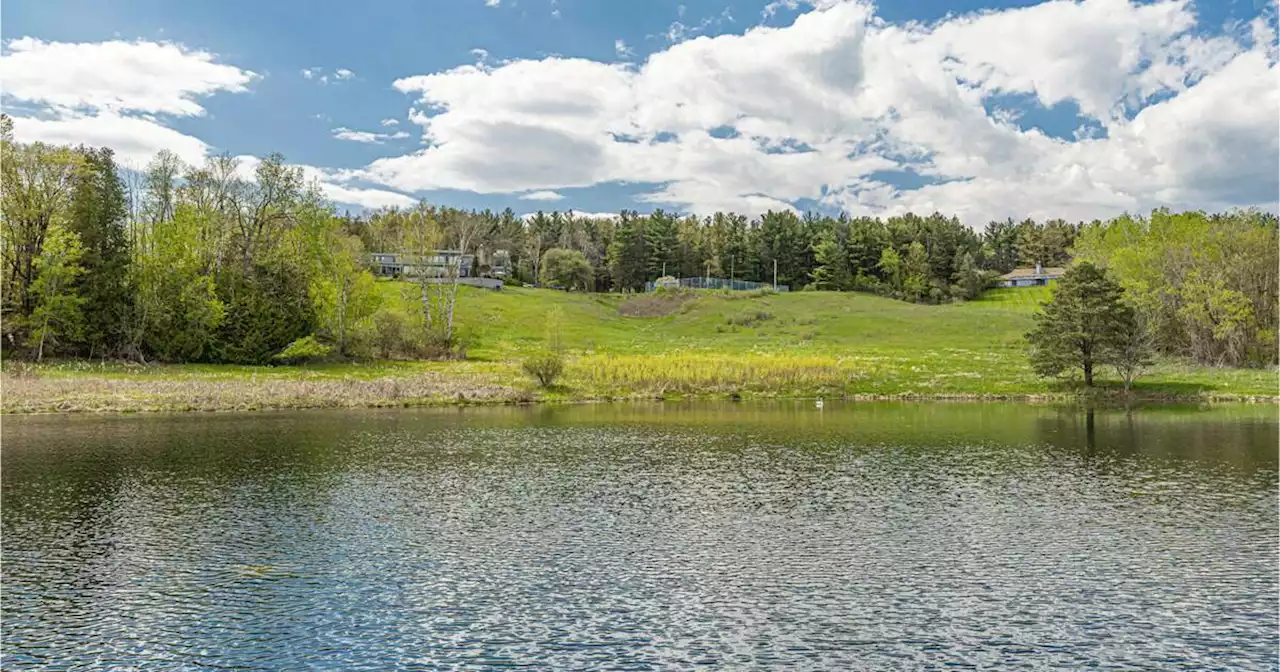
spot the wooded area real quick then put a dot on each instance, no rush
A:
(206, 263)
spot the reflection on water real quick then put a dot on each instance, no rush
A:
(885, 536)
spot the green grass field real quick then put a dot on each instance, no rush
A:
(700, 344)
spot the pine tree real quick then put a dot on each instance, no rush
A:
(1086, 324)
(662, 236)
(627, 254)
(98, 217)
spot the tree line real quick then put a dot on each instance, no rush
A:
(924, 259)
(211, 263)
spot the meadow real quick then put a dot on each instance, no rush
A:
(631, 346)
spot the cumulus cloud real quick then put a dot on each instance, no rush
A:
(368, 137)
(116, 76)
(543, 195)
(336, 185)
(621, 49)
(577, 213)
(113, 94)
(134, 140)
(390, 122)
(827, 107)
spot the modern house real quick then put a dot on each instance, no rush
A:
(442, 263)
(1031, 277)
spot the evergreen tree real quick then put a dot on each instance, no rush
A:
(98, 217)
(627, 253)
(1086, 324)
(969, 279)
(662, 236)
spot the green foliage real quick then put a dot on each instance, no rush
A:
(969, 279)
(750, 318)
(177, 307)
(832, 270)
(57, 315)
(36, 182)
(627, 254)
(544, 367)
(267, 308)
(390, 334)
(662, 239)
(568, 269)
(98, 213)
(305, 349)
(1207, 285)
(915, 272)
(890, 266)
(1086, 324)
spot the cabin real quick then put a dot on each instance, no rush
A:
(439, 264)
(1031, 277)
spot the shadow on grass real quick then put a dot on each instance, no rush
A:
(1109, 389)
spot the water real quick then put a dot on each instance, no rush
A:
(870, 536)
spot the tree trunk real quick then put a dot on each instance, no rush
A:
(1088, 373)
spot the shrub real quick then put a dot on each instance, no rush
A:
(750, 319)
(305, 349)
(393, 335)
(545, 368)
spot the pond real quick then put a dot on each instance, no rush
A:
(857, 536)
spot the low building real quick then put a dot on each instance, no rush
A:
(440, 264)
(1031, 277)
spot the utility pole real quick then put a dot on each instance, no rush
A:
(775, 274)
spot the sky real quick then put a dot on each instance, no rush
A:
(1078, 110)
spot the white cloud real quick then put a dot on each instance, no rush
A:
(390, 122)
(492, 3)
(544, 195)
(577, 213)
(134, 140)
(318, 74)
(335, 185)
(621, 49)
(820, 106)
(116, 76)
(113, 94)
(369, 137)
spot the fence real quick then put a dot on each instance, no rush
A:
(720, 283)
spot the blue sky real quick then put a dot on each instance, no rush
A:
(987, 110)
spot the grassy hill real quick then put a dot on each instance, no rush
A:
(706, 344)
(791, 344)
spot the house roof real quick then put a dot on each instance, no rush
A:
(1024, 273)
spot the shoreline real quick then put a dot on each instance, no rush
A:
(89, 393)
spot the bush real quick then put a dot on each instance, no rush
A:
(545, 368)
(393, 336)
(305, 349)
(749, 319)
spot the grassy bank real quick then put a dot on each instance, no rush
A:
(707, 344)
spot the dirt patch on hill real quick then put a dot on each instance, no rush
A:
(655, 305)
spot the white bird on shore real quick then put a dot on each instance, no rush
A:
(818, 403)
